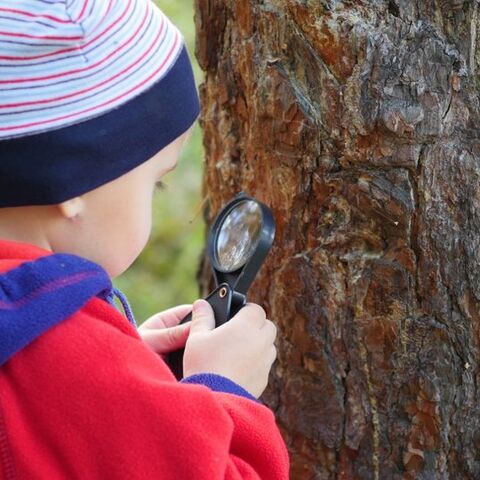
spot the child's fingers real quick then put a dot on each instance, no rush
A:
(203, 319)
(168, 318)
(166, 340)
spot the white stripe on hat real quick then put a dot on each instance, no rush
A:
(56, 70)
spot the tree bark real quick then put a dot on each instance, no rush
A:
(357, 122)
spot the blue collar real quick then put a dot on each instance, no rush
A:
(39, 294)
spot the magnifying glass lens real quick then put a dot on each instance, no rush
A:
(239, 235)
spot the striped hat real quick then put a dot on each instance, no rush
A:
(89, 89)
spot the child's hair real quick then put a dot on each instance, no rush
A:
(92, 90)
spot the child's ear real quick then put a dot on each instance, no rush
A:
(71, 208)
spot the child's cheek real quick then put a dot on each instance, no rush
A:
(144, 234)
(131, 235)
(143, 229)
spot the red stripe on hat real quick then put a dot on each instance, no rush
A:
(104, 103)
(29, 14)
(83, 11)
(78, 48)
(42, 37)
(77, 70)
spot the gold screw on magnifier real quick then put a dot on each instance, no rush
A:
(222, 292)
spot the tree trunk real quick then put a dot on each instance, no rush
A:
(356, 121)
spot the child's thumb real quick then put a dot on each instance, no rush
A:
(203, 319)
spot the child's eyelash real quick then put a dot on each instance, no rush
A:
(160, 185)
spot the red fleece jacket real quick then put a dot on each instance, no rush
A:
(88, 399)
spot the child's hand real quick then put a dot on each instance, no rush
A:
(162, 332)
(241, 349)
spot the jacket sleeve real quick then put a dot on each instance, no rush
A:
(114, 410)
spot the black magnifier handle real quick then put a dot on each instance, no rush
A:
(238, 243)
(221, 301)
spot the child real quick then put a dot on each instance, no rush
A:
(96, 99)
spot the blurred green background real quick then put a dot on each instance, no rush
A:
(164, 274)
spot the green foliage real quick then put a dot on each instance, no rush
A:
(164, 274)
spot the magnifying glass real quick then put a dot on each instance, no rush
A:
(238, 242)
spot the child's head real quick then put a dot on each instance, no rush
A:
(96, 108)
